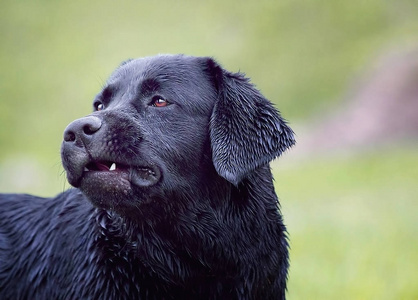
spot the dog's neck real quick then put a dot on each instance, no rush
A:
(183, 248)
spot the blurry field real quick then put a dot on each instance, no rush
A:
(353, 225)
(352, 219)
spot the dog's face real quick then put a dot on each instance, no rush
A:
(146, 135)
(167, 124)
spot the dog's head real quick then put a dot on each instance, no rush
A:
(168, 124)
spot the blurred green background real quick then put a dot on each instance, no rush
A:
(351, 216)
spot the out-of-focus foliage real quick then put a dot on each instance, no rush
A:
(352, 220)
(55, 55)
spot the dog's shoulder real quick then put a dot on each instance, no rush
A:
(39, 238)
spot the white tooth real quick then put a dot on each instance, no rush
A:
(85, 169)
(112, 167)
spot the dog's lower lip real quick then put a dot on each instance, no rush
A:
(145, 176)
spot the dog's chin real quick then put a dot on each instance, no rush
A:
(118, 189)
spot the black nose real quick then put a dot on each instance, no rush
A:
(82, 129)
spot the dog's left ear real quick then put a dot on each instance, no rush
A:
(246, 131)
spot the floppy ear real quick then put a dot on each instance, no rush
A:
(246, 131)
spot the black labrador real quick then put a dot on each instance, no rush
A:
(173, 195)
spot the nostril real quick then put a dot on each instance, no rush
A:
(69, 136)
(89, 129)
(91, 125)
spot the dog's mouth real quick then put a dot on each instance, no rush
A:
(119, 174)
(104, 166)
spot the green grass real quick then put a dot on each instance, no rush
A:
(353, 225)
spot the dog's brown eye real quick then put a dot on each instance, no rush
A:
(99, 106)
(159, 102)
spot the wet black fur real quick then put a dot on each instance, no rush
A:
(210, 228)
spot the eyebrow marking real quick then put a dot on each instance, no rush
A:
(149, 86)
(107, 93)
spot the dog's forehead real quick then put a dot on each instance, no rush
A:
(186, 78)
(161, 67)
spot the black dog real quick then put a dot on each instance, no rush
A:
(173, 194)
